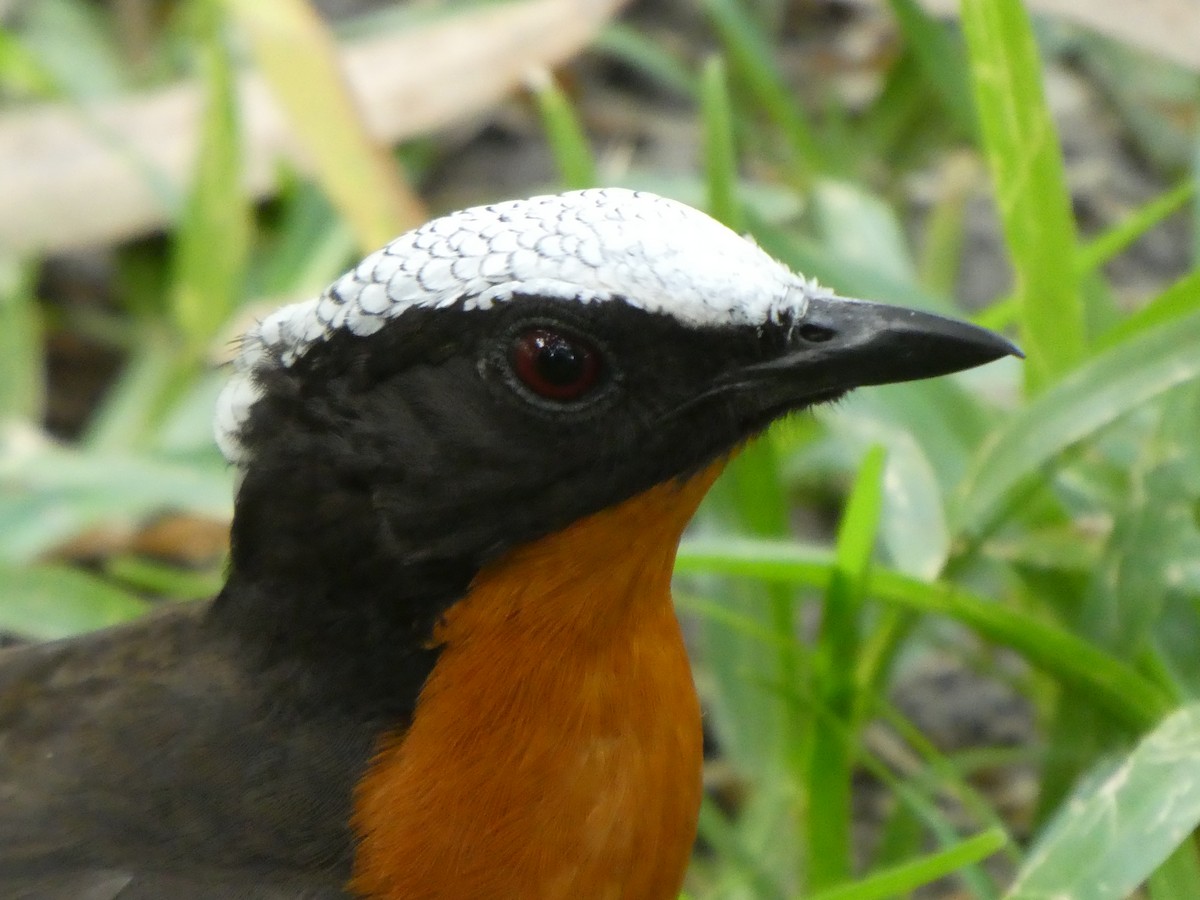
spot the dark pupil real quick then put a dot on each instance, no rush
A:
(557, 361)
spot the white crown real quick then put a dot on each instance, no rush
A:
(584, 247)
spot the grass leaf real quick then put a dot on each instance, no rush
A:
(941, 58)
(830, 759)
(49, 602)
(568, 143)
(1111, 243)
(1031, 191)
(1095, 675)
(1112, 384)
(650, 57)
(212, 243)
(901, 879)
(1109, 839)
(54, 492)
(21, 379)
(720, 150)
(1180, 299)
(298, 56)
(752, 58)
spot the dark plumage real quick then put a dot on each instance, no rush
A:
(214, 751)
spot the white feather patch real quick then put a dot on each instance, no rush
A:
(583, 247)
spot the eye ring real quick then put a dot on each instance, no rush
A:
(554, 365)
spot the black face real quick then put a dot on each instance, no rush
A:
(469, 431)
(386, 470)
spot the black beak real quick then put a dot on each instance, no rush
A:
(842, 344)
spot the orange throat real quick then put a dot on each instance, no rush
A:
(555, 751)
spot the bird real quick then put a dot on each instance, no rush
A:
(445, 661)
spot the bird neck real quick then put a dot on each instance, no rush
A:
(555, 750)
(316, 597)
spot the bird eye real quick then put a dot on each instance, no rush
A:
(553, 365)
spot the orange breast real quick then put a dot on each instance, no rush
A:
(556, 749)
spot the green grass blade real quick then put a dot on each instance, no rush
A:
(298, 55)
(1196, 203)
(941, 58)
(134, 405)
(844, 271)
(52, 493)
(920, 796)
(901, 879)
(22, 71)
(640, 51)
(1113, 242)
(751, 56)
(1108, 840)
(212, 243)
(727, 840)
(856, 534)
(744, 625)
(1031, 191)
(750, 496)
(1180, 299)
(1100, 250)
(148, 576)
(1179, 876)
(1154, 531)
(45, 603)
(1098, 676)
(830, 763)
(861, 229)
(1112, 384)
(941, 253)
(913, 526)
(73, 48)
(1095, 675)
(720, 151)
(943, 776)
(309, 246)
(21, 379)
(568, 143)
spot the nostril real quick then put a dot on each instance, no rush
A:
(815, 334)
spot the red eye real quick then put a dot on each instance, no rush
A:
(554, 365)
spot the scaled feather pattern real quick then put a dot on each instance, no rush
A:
(583, 246)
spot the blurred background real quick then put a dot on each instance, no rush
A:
(947, 634)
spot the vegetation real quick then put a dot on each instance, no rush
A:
(1047, 512)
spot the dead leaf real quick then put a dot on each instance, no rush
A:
(71, 177)
(1168, 28)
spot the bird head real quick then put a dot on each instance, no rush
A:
(504, 370)
(465, 470)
